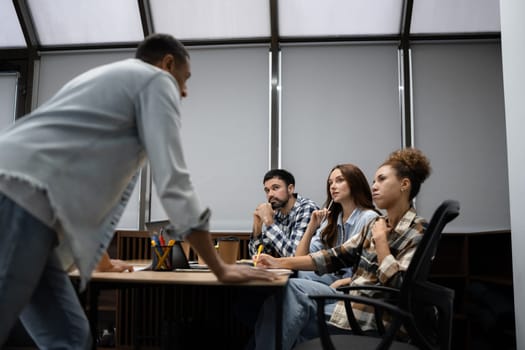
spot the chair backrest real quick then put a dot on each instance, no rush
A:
(422, 260)
(431, 305)
(432, 312)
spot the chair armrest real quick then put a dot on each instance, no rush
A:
(392, 297)
(363, 300)
(346, 289)
(397, 320)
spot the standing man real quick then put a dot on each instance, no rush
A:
(67, 171)
(279, 224)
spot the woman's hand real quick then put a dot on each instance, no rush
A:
(317, 217)
(380, 230)
(266, 261)
(341, 282)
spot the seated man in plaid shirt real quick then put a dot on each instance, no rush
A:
(279, 223)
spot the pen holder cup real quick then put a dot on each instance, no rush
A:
(162, 259)
(228, 249)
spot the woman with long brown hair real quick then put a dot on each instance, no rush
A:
(347, 209)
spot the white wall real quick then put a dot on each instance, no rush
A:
(225, 133)
(513, 55)
(459, 122)
(8, 84)
(340, 104)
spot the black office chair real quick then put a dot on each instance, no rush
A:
(423, 308)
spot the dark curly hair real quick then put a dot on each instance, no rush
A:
(410, 163)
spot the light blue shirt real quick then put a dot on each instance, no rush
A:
(83, 148)
(353, 225)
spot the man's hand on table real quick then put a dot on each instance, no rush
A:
(113, 265)
(243, 273)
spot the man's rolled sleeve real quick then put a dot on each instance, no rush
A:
(203, 224)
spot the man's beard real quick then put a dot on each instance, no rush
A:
(278, 204)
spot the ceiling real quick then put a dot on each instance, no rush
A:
(64, 24)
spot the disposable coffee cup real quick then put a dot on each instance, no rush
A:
(228, 249)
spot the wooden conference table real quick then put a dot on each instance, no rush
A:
(144, 278)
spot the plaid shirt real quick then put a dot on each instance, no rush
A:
(282, 237)
(402, 241)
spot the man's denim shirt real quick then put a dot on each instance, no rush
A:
(84, 147)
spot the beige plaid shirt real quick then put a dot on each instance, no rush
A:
(402, 240)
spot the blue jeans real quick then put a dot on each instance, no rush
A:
(33, 285)
(299, 315)
(327, 278)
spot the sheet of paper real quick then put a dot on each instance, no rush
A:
(277, 271)
(248, 262)
(281, 271)
(141, 267)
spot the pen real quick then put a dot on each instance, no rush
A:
(154, 246)
(157, 248)
(158, 245)
(327, 209)
(161, 237)
(259, 250)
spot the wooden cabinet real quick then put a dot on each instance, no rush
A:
(478, 266)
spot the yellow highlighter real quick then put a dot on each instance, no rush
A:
(259, 250)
